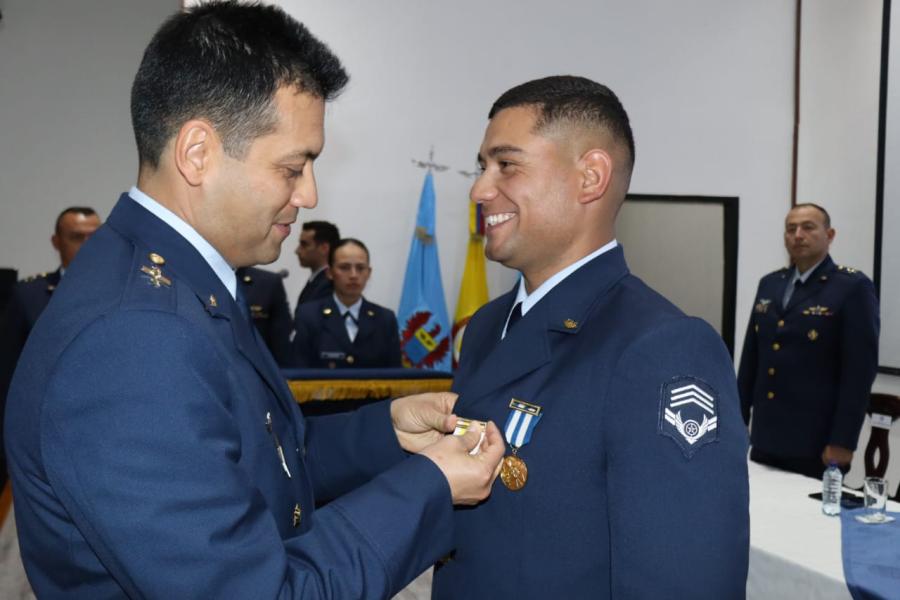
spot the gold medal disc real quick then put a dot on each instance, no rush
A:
(513, 472)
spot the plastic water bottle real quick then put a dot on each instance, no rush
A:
(831, 490)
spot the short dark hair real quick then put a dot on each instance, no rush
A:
(323, 232)
(341, 244)
(572, 99)
(224, 61)
(818, 208)
(86, 211)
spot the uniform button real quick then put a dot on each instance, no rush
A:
(771, 371)
(781, 323)
(776, 346)
(350, 360)
(296, 516)
(770, 395)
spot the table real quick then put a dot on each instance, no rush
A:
(795, 550)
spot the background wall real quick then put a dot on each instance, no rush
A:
(65, 128)
(707, 83)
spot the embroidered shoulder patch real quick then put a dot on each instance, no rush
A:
(689, 413)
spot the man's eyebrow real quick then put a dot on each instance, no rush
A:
(498, 150)
(302, 155)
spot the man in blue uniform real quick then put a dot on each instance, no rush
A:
(317, 238)
(268, 305)
(625, 474)
(810, 353)
(155, 451)
(346, 330)
(74, 226)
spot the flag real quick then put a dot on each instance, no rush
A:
(424, 325)
(473, 292)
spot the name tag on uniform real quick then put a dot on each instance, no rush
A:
(325, 355)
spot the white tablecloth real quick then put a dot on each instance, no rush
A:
(795, 550)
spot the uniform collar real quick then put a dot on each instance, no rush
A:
(529, 300)
(353, 308)
(212, 257)
(808, 273)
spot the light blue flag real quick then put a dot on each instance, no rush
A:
(424, 326)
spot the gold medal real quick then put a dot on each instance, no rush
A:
(513, 472)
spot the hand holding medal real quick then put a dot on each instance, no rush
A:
(470, 461)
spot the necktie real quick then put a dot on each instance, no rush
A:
(797, 282)
(514, 317)
(351, 325)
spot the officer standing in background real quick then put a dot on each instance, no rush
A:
(316, 240)
(154, 448)
(626, 469)
(345, 330)
(810, 353)
(268, 305)
(29, 297)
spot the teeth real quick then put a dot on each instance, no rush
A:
(494, 220)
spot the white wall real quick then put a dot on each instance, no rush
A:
(65, 130)
(838, 144)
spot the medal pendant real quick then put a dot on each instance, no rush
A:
(513, 472)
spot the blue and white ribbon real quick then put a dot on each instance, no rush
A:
(523, 418)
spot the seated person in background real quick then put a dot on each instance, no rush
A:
(345, 330)
(267, 301)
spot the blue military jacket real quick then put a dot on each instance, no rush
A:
(620, 501)
(321, 339)
(155, 451)
(268, 305)
(807, 369)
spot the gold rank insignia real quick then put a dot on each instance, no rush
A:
(818, 311)
(326, 311)
(296, 516)
(212, 301)
(846, 269)
(813, 335)
(156, 259)
(248, 279)
(155, 276)
(570, 324)
(50, 287)
(371, 313)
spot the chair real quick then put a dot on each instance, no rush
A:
(884, 409)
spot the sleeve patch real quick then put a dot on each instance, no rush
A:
(688, 413)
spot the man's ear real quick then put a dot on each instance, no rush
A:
(54, 239)
(596, 172)
(830, 233)
(195, 149)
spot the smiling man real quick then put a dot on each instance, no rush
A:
(346, 330)
(625, 474)
(810, 353)
(155, 450)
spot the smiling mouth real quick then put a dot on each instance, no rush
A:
(498, 219)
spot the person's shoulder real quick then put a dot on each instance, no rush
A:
(776, 275)
(39, 281)
(253, 275)
(314, 310)
(849, 274)
(370, 309)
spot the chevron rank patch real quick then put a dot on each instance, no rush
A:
(689, 413)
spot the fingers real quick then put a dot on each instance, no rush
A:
(493, 447)
(471, 438)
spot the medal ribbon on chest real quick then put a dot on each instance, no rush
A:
(523, 418)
